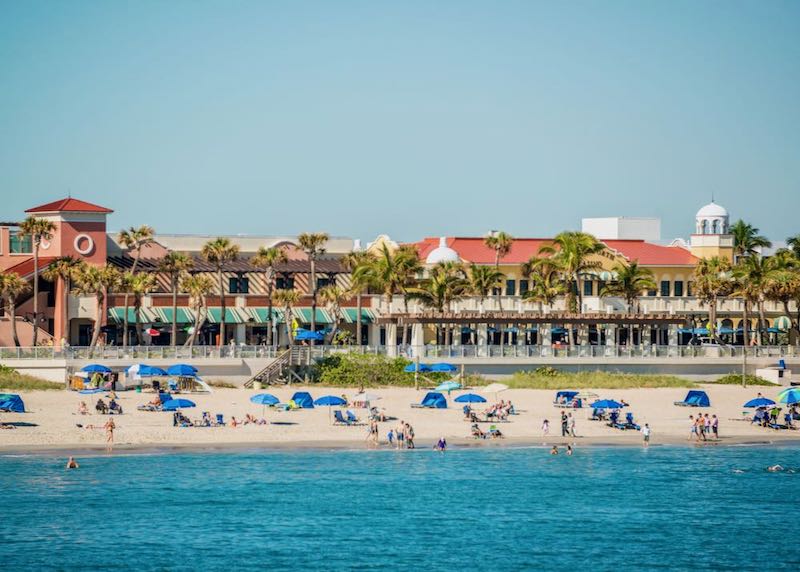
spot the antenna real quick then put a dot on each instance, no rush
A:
(712, 196)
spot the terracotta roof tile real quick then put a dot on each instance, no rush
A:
(69, 205)
(25, 268)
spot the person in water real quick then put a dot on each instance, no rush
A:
(569, 450)
(72, 463)
(441, 445)
(554, 450)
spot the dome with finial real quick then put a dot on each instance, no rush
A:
(712, 219)
(712, 209)
(442, 253)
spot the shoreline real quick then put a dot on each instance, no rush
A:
(84, 450)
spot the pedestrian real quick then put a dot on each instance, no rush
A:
(646, 434)
(707, 424)
(390, 437)
(572, 425)
(441, 445)
(409, 436)
(109, 427)
(715, 426)
(701, 428)
(692, 428)
(545, 427)
(564, 425)
(400, 435)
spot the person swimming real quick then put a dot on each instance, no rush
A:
(554, 450)
(775, 469)
(72, 463)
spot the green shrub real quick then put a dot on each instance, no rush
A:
(357, 370)
(13, 381)
(591, 380)
(736, 379)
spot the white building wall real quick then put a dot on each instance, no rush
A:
(623, 228)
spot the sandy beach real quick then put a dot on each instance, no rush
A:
(51, 421)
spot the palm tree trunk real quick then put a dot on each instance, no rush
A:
(358, 318)
(794, 325)
(405, 325)
(12, 313)
(137, 310)
(66, 285)
(762, 318)
(500, 288)
(745, 325)
(222, 308)
(174, 335)
(35, 292)
(270, 317)
(313, 286)
(712, 318)
(287, 318)
(98, 315)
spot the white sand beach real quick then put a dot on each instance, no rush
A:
(51, 420)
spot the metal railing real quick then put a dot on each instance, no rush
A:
(176, 353)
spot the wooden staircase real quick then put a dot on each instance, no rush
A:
(275, 372)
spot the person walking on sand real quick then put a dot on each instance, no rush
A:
(572, 426)
(564, 424)
(692, 428)
(646, 434)
(441, 445)
(707, 425)
(715, 426)
(701, 428)
(545, 428)
(390, 437)
(409, 436)
(109, 427)
(400, 435)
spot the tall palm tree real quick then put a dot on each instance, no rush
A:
(12, 285)
(62, 270)
(220, 252)
(354, 262)
(482, 281)
(268, 259)
(749, 292)
(175, 265)
(97, 281)
(746, 240)
(333, 297)
(39, 229)
(139, 285)
(783, 284)
(545, 289)
(198, 286)
(313, 244)
(445, 284)
(133, 239)
(631, 280)
(793, 242)
(388, 271)
(287, 299)
(501, 242)
(712, 280)
(570, 250)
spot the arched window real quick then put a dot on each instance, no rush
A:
(704, 227)
(715, 227)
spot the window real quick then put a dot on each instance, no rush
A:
(284, 283)
(665, 287)
(651, 292)
(523, 287)
(325, 281)
(688, 288)
(18, 244)
(239, 285)
(704, 227)
(678, 288)
(588, 287)
(511, 287)
(715, 227)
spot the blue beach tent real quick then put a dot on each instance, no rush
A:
(695, 398)
(567, 395)
(11, 402)
(443, 368)
(434, 400)
(303, 400)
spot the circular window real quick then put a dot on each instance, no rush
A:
(84, 244)
(45, 244)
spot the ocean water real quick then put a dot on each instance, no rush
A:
(508, 509)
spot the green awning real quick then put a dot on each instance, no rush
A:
(350, 315)
(303, 316)
(117, 313)
(185, 315)
(261, 315)
(232, 316)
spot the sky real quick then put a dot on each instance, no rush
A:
(413, 118)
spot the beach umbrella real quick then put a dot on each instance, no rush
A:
(443, 368)
(264, 399)
(607, 404)
(366, 397)
(759, 402)
(329, 401)
(470, 398)
(182, 369)
(789, 397)
(173, 404)
(787, 390)
(150, 371)
(308, 335)
(494, 388)
(96, 368)
(448, 386)
(411, 368)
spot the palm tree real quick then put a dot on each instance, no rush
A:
(220, 252)
(749, 292)
(133, 239)
(712, 281)
(97, 281)
(198, 286)
(267, 259)
(38, 229)
(354, 262)
(445, 284)
(388, 272)
(631, 280)
(175, 265)
(12, 285)
(313, 244)
(139, 285)
(287, 299)
(482, 280)
(501, 242)
(746, 240)
(570, 251)
(783, 284)
(793, 242)
(62, 270)
(333, 297)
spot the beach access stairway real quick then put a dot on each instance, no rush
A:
(276, 372)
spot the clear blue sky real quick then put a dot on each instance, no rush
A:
(411, 118)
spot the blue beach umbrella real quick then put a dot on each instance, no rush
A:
(308, 335)
(607, 404)
(96, 368)
(759, 402)
(470, 398)
(448, 386)
(264, 399)
(329, 401)
(411, 368)
(789, 397)
(173, 404)
(443, 368)
(182, 369)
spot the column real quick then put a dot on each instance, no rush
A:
(240, 333)
(417, 339)
(482, 332)
(611, 343)
(546, 335)
(391, 340)
(373, 335)
(672, 335)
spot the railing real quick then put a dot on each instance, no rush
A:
(303, 354)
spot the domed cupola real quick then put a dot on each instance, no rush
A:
(442, 253)
(712, 219)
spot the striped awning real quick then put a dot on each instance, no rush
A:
(350, 315)
(303, 315)
(232, 316)
(184, 315)
(117, 313)
(261, 315)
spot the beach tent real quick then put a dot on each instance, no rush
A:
(443, 368)
(411, 368)
(696, 398)
(303, 400)
(12, 403)
(434, 400)
(567, 395)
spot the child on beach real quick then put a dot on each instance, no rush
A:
(390, 437)
(646, 434)
(545, 427)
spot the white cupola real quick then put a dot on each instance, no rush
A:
(712, 219)
(442, 253)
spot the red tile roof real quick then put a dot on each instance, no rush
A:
(69, 205)
(25, 268)
(472, 249)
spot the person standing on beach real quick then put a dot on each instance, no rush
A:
(390, 437)
(109, 427)
(564, 425)
(572, 426)
(692, 428)
(400, 435)
(545, 427)
(409, 436)
(715, 426)
(441, 445)
(646, 434)
(701, 428)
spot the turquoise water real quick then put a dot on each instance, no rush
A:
(508, 509)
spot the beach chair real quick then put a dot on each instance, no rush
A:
(351, 418)
(629, 422)
(613, 420)
(220, 419)
(597, 415)
(338, 418)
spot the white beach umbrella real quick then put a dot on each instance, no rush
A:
(494, 388)
(367, 397)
